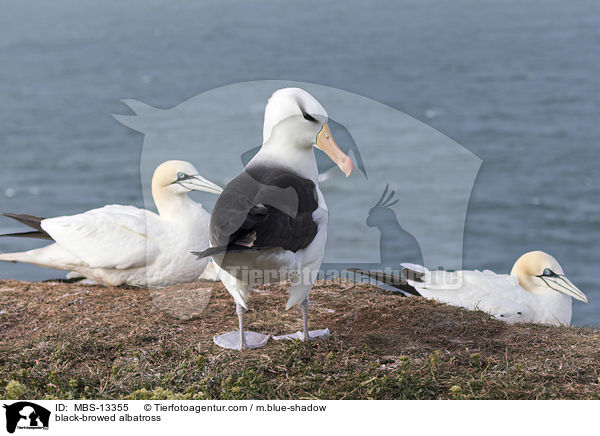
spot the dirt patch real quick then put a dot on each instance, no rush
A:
(74, 341)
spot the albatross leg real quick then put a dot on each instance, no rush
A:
(241, 340)
(304, 310)
(241, 312)
(305, 334)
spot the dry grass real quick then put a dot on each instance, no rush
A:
(74, 341)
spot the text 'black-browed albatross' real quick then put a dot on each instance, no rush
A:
(270, 222)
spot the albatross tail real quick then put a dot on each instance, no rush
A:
(209, 252)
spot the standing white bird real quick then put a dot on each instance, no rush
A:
(270, 222)
(536, 290)
(118, 245)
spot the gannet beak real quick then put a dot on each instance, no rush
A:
(562, 284)
(199, 183)
(326, 143)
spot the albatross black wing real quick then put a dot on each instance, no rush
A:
(31, 221)
(263, 208)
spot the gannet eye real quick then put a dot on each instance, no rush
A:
(309, 117)
(181, 176)
(548, 273)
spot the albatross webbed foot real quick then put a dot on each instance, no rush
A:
(232, 341)
(241, 340)
(305, 334)
(313, 334)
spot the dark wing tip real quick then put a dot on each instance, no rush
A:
(411, 274)
(33, 235)
(388, 279)
(209, 252)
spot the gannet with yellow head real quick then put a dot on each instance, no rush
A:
(117, 245)
(536, 290)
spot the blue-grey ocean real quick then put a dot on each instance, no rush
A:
(517, 83)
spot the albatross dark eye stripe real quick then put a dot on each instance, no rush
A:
(308, 117)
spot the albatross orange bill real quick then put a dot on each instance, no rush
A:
(326, 143)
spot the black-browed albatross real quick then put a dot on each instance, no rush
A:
(270, 222)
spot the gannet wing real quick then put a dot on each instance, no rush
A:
(110, 237)
(500, 295)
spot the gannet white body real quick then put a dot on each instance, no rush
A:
(117, 245)
(270, 223)
(536, 290)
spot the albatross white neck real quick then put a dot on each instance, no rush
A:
(284, 150)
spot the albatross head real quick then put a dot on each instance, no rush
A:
(539, 272)
(178, 177)
(296, 121)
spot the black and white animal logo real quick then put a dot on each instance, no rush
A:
(26, 415)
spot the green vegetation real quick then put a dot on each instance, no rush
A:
(76, 342)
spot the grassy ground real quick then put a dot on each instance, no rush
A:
(74, 341)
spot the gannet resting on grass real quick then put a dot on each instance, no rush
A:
(270, 222)
(536, 290)
(118, 245)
